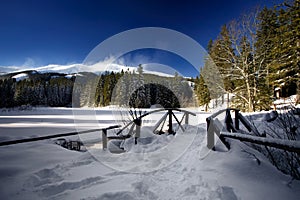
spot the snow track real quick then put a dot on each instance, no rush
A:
(71, 181)
(44, 170)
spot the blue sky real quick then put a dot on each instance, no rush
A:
(35, 32)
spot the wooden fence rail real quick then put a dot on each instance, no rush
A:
(5, 143)
(288, 145)
(214, 126)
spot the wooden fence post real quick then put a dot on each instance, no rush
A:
(210, 134)
(186, 118)
(170, 130)
(236, 119)
(104, 139)
(138, 123)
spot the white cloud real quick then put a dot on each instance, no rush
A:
(29, 63)
(7, 69)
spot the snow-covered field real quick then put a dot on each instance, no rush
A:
(44, 170)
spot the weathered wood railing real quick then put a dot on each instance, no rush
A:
(104, 130)
(214, 126)
(137, 123)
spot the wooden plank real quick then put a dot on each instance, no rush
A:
(288, 145)
(5, 143)
(170, 129)
(186, 115)
(178, 122)
(159, 122)
(123, 137)
(137, 130)
(104, 139)
(154, 111)
(215, 127)
(236, 120)
(247, 124)
(184, 111)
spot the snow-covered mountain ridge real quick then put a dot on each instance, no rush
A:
(156, 69)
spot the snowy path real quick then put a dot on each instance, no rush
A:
(82, 177)
(43, 170)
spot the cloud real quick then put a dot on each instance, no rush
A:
(134, 59)
(29, 63)
(8, 69)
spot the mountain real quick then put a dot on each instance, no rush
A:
(98, 68)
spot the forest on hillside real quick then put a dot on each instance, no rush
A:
(131, 89)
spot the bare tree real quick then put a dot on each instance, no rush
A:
(235, 54)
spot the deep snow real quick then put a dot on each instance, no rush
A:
(44, 170)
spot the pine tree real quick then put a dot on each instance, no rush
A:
(202, 92)
(266, 31)
(285, 71)
(221, 52)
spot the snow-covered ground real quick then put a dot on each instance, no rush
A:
(44, 170)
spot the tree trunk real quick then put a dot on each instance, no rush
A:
(250, 101)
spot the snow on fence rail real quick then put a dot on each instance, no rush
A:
(214, 126)
(137, 123)
(288, 145)
(5, 143)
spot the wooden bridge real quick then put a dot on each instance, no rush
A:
(136, 124)
(232, 130)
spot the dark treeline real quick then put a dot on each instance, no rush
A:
(139, 90)
(49, 89)
(123, 88)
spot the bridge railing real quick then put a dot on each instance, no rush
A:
(33, 139)
(136, 123)
(214, 126)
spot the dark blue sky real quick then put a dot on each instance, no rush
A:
(41, 32)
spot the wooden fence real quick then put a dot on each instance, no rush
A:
(232, 130)
(5, 143)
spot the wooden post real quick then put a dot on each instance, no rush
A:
(138, 123)
(170, 130)
(104, 139)
(160, 122)
(186, 118)
(210, 134)
(236, 119)
(228, 121)
(214, 127)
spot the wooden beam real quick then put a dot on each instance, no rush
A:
(160, 121)
(104, 139)
(5, 143)
(288, 145)
(178, 122)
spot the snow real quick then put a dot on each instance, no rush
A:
(289, 100)
(283, 144)
(100, 67)
(20, 77)
(69, 76)
(44, 170)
